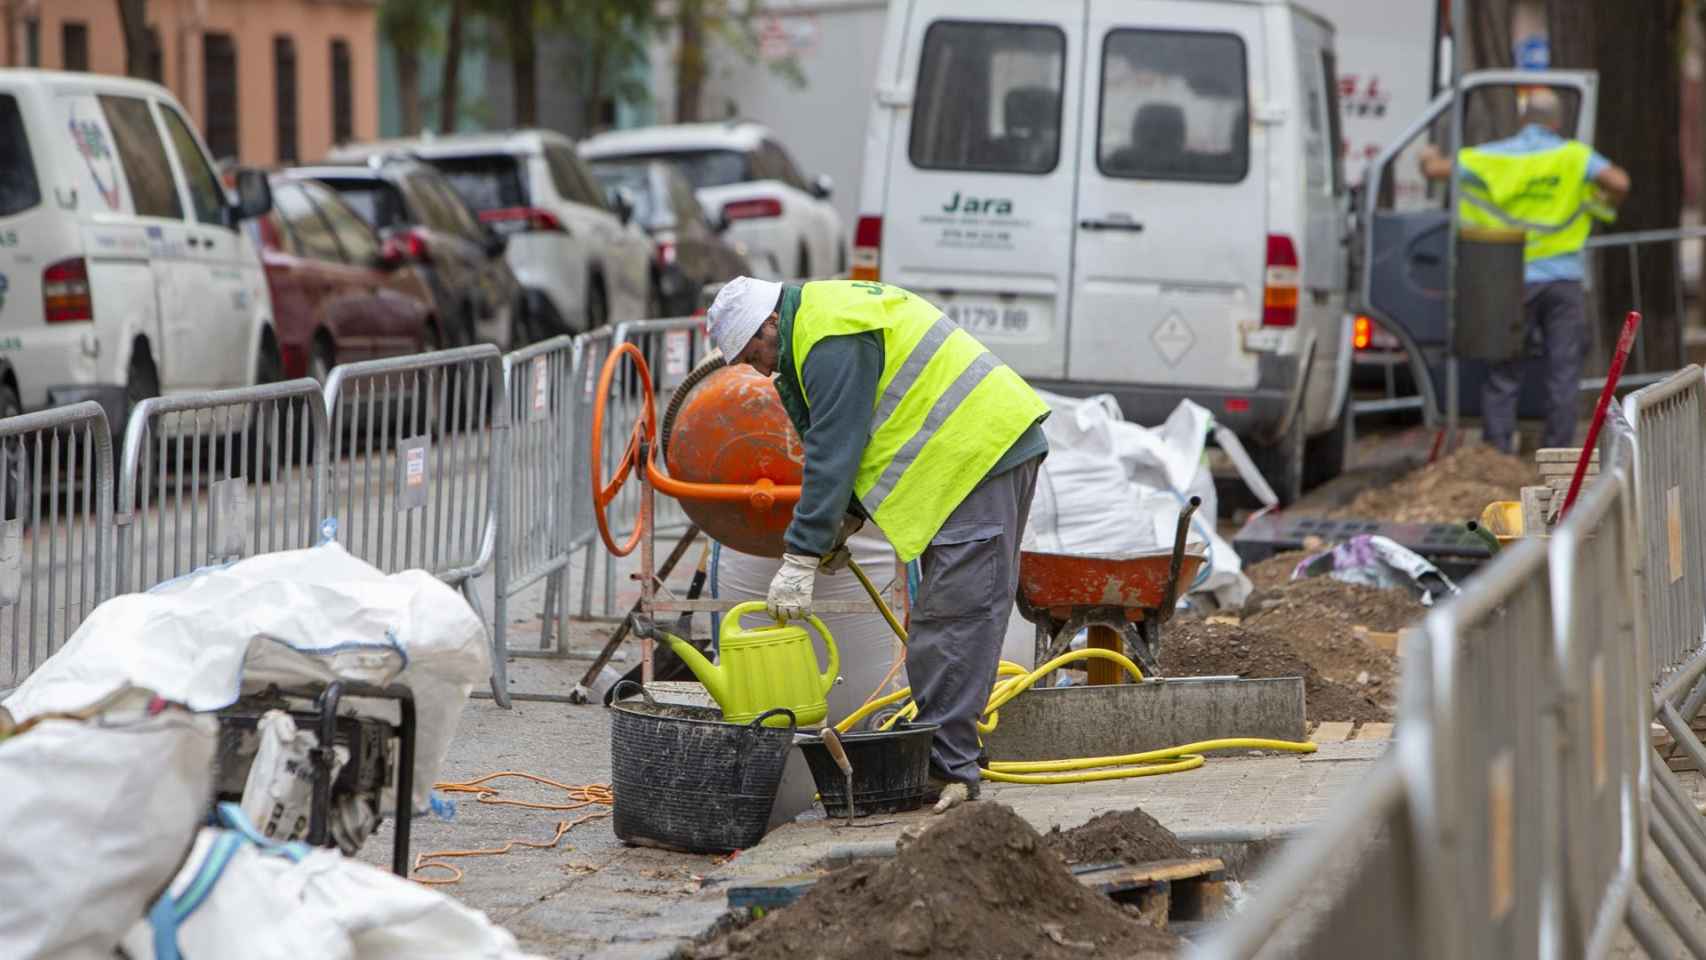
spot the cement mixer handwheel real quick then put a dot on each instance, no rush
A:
(639, 440)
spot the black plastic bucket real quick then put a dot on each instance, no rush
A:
(686, 780)
(891, 770)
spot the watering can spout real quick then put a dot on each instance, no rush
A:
(704, 670)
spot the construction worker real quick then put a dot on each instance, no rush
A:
(910, 422)
(1545, 185)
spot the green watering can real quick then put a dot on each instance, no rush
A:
(764, 668)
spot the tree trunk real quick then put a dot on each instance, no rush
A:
(592, 92)
(409, 90)
(1637, 128)
(449, 90)
(690, 65)
(1489, 114)
(133, 21)
(523, 76)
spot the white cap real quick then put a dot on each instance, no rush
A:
(740, 309)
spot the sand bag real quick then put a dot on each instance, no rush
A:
(99, 813)
(301, 617)
(240, 896)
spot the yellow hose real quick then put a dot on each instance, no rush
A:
(1013, 679)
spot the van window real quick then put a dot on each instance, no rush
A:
(1174, 106)
(206, 194)
(19, 189)
(573, 182)
(988, 98)
(375, 201)
(357, 241)
(146, 170)
(487, 182)
(312, 235)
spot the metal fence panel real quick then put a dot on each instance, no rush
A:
(56, 496)
(592, 349)
(1489, 823)
(213, 477)
(1604, 712)
(1669, 422)
(416, 443)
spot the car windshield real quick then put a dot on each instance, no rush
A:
(636, 177)
(489, 182)
(703, 168)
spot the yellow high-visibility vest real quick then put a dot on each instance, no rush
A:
(946, 408)
(1545, 194)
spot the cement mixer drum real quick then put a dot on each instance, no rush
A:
(730, 428)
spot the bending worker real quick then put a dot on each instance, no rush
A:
(1544, 185)
(912, 423)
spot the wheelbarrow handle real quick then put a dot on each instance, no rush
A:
(1170, 599)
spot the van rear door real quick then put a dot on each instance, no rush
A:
(977, 207)
(1170, 237)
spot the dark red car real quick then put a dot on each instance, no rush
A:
(338, 293)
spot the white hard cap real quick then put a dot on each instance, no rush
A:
(740, 309)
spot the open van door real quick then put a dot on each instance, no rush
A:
(1403, 250)
(978, 194)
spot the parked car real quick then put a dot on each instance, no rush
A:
(338, 293)
(122, 272)
(742, 174)
(688, 250)
(1140, 198)
(475, 295)
(582, 263)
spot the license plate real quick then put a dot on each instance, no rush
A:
(988, 316)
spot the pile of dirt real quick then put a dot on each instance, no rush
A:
(1276, 570)
(1318, 605)
(979, 882)
(1118, 836)
(1452, 489)
(1356, 681)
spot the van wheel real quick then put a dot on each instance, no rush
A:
(1329, 454)
(142, 382)
(597, 311)
(1281, 463)
(15, 464)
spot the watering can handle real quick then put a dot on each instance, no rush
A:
(731, 620)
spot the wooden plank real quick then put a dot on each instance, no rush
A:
(1375, 731)
(1567, 455)
(1381, 639)
(1332, 731)
(1129, 875)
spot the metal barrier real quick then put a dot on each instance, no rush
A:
(1669, 423)
(53, 559)
(545, 405)
(1603, 714)
(416, 443)
(594, 347)
(1653, 304)
(213, 477)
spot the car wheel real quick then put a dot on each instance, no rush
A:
(1328, 455)
(269, 368)
(803, 264)
(1281, 463)
(141, 383)
(321, 361)
(597, 311)
(15, 464)
(431, 340)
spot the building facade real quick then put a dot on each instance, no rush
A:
(269, 82)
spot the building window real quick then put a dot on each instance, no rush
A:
(156, 64)
(32, 42)
(74, 45)
(284, 97)
(343, 108)
(219, 79)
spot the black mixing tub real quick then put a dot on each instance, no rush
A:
(891, 770)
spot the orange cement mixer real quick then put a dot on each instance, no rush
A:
(734, 460)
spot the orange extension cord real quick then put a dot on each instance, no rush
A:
(580, 796)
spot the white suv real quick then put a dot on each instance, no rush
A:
(122, 272)
(582, 261)
(748, 184)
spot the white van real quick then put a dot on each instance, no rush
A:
(1137, 197)
(122, 272)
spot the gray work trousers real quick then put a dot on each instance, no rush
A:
(965, 596)
(1556, 328)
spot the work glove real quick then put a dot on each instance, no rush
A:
(836, 559)
(790, 596)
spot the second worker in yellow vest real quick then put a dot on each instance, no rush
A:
(1551, 189)
(910, 422)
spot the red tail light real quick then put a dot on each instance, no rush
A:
(1279, 292)
(754, 209)
(867, 249)
(406, 245)
(666, 253)
(65, 292)
(1362, 332)
(519, 219)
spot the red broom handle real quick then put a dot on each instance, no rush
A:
(1625, 340)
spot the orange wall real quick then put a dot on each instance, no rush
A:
(252, 24)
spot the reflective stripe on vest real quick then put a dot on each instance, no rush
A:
(946, 408)
(1545, 194)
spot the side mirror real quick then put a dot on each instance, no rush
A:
(495, 243)
(822, 186)
(622, 199)
(254, 195)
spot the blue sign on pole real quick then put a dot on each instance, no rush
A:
(1533, 52)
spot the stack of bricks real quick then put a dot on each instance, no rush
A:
(1541, 503)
